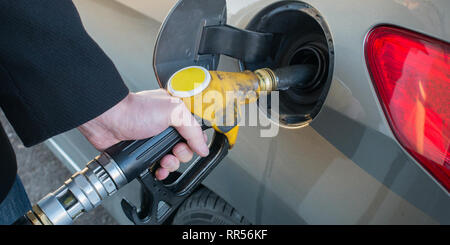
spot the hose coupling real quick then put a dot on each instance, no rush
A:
(268, 80)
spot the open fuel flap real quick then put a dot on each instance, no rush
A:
(282, 34)
(195, 33)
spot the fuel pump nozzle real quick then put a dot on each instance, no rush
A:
(129, 160)
(216, 96)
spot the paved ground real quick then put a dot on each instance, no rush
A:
(41, 172)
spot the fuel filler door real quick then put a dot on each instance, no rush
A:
(195, 33)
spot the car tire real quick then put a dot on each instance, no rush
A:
(204, 207)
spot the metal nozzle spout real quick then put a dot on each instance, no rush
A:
(286, 77)
(296, 75)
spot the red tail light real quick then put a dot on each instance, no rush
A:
(411, 73)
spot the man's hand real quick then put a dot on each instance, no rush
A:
(143, 115)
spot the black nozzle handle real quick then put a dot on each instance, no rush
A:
(135, 156)
(173, 194)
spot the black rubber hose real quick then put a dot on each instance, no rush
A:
(296, 76)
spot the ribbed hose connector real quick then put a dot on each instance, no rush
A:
(268, 81)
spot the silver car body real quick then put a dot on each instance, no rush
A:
(346, 167)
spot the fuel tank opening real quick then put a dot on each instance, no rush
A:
(301, 39)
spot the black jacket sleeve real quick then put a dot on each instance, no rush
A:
(53, 76)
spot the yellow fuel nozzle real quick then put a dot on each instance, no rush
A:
(216, 96)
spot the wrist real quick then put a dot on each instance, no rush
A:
(101, 131)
